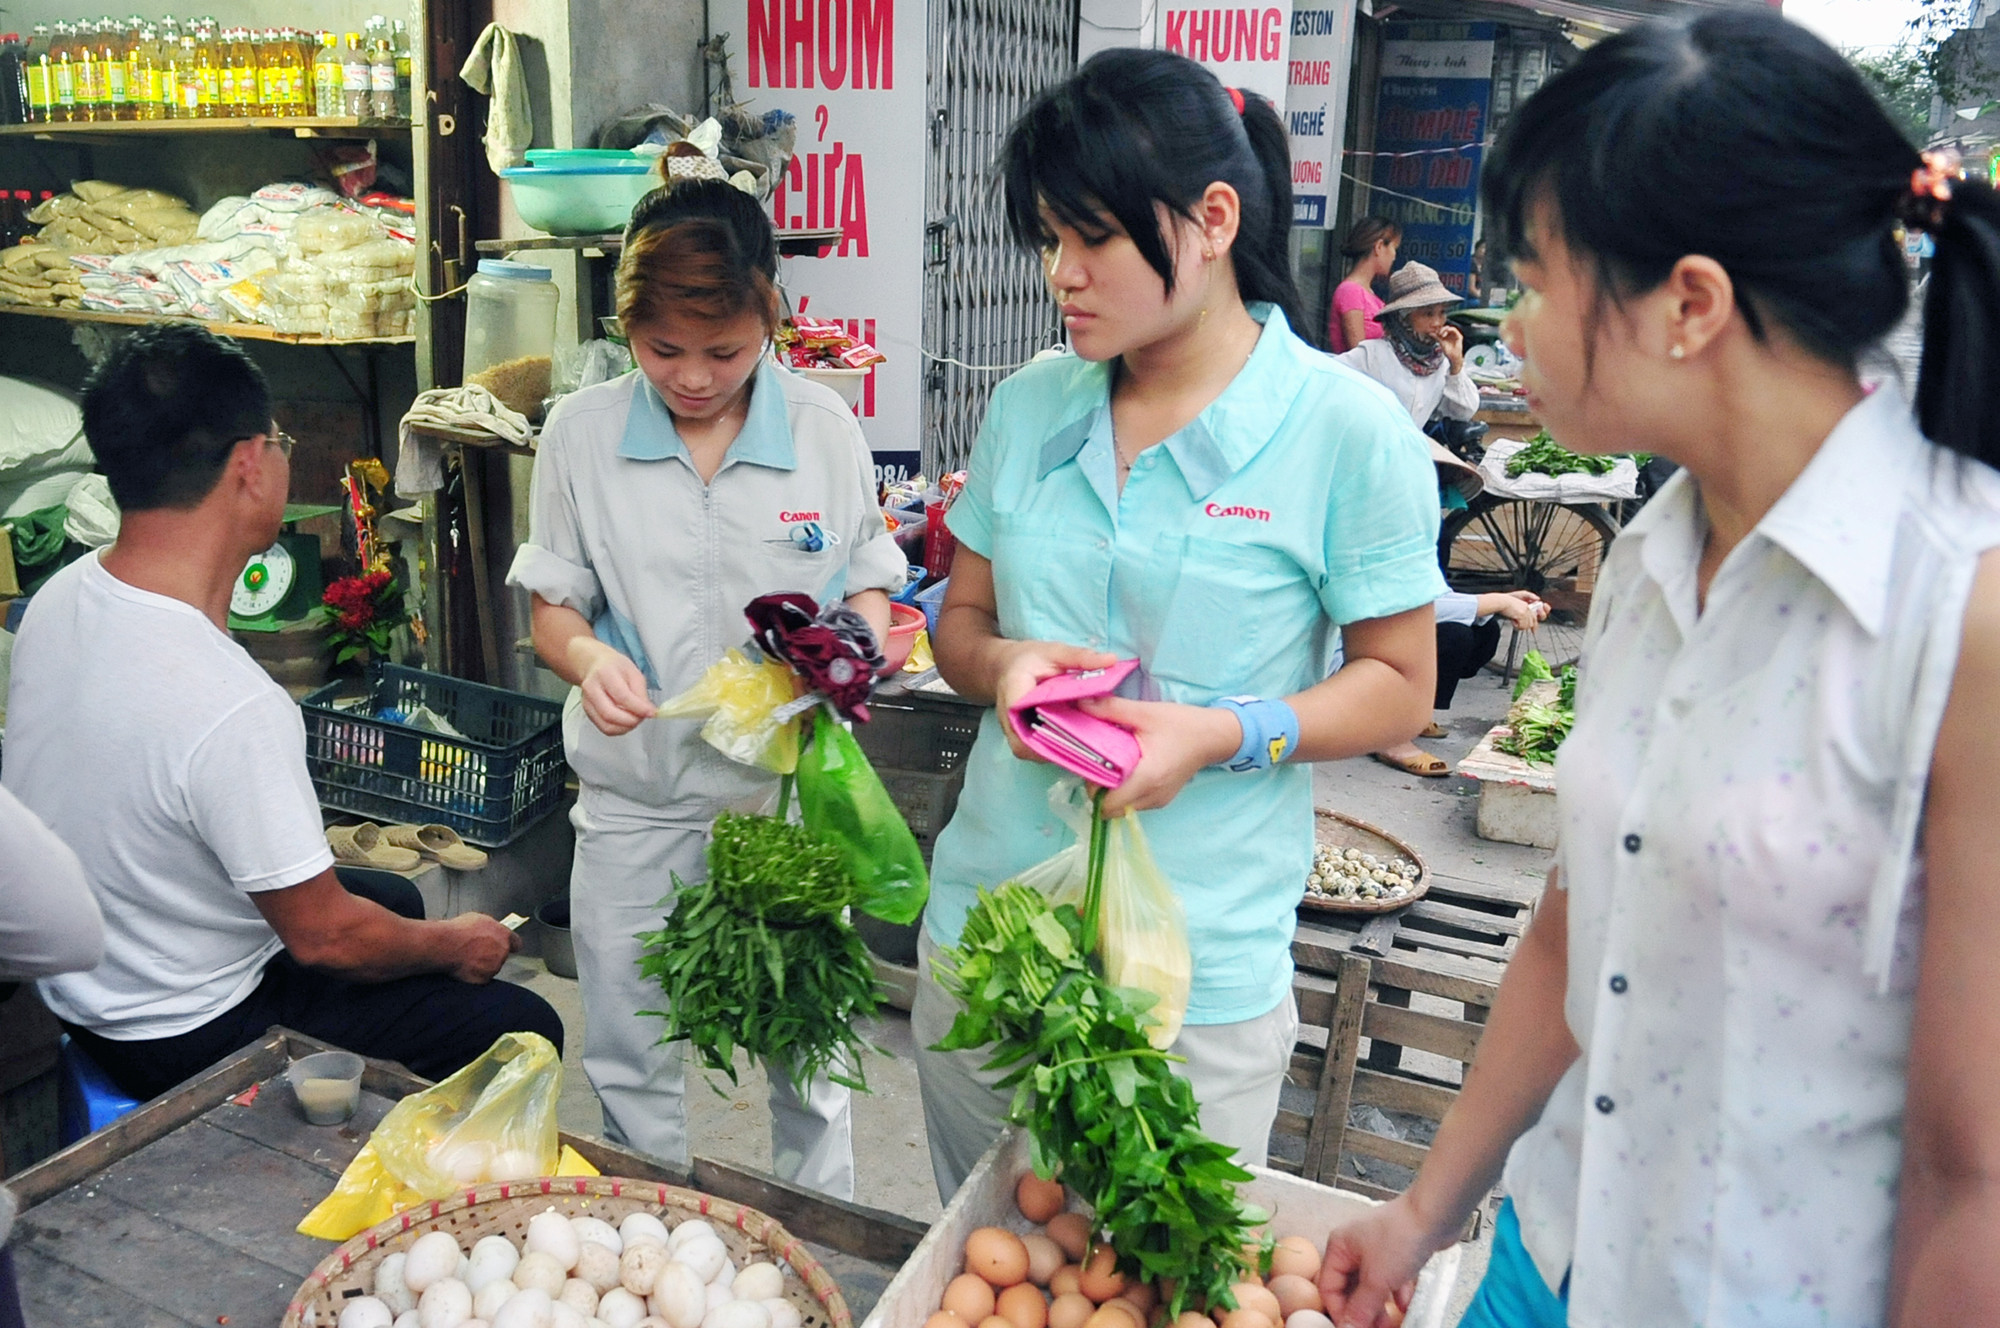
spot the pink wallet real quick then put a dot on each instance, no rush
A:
(1052, 727)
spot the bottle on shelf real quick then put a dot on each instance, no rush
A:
(298, 72)
(190, 93)
(62, 75)
(326, 77)
(13, 83)
(117, 101)
(270, 72)
(142, 80)
(243, 66)
(209, 58)
(353, 77)
(89, 73)
(11, 224)
(401, 45)
(167, 74)
(381, 76)
(41, 75)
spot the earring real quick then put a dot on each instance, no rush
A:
(1208, 254)
(1679, 352)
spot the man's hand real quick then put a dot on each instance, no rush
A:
(1028, 663)
(1174, 742)
(614, 693)
(481, 944)
(1523, 608)
(1453, 342)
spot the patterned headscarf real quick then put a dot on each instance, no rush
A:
(1421, 355)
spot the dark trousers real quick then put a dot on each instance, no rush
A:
(434, 1024)
(1462, 652)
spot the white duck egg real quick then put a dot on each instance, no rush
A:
(538, 1272)
(1307, 1319)
(784, 1314)
(444, 1304)
(475, 1323)
(365, 1312)
(489, 1272)
(464, 1266)
(407, 1319)
(514, 1164)
(642, 1226)
(725, 1275)
(389, 1288)
(620, 1308)
(738, 1314)
(715, 1295)
(580, 1296)
(496, 1249)
(598, 1265)
(597, 1229)
(759, 1281)
(488, 1299)
(565, 1316)
(550, 1233)
(527, 1309)
(467, 1163)
(652, 1321)
(705, 1257)
(433, 1258)
(679, 1296)
(692, 1229)
(639, 1268)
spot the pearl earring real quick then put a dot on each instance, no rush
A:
(1679, 352)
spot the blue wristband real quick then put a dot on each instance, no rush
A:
(1270, 733)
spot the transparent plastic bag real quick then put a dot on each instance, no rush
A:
(738, 699)
(493, 1120)
(1141, 928)
(842, 801)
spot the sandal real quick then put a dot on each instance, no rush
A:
(1434, 730)
(363, 846)
(1424, 764)
(439, 843)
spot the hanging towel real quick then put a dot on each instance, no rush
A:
(495, 69)
(420, 460)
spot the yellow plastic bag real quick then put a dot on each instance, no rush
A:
(493, 1120)
(1141, 927)
(738, 699)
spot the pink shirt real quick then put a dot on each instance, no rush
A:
(1353, 295)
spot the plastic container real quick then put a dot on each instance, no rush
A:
(510, 312)
(584, 157)
(847, 382)
(558, 949)
(940, 545)
(327, 1085)
(931, 600)
(904, 624)
(592, 199)
(504, 775)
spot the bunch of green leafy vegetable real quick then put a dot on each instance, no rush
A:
(761, 956)
(1098, 1101)
(1539, 727)
(1543, 455)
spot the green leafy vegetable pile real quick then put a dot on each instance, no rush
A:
(1543, 455)
(1539, 727)
(761, 956)
(1098, 1101)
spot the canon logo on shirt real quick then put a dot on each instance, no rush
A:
(789, 517)
(1247, 513)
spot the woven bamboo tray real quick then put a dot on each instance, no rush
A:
(1339, 830)
(503, 1209)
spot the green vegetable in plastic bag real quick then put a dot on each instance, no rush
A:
(843, 803)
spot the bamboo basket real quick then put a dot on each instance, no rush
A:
(1339, 830)
(504, 1209)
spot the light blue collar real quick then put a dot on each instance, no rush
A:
(1216, 443)
(766, 438)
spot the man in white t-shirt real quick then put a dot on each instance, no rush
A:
(175, 768)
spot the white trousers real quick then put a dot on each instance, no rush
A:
(1236, 1070)
(620, 885)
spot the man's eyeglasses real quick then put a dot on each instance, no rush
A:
(282, 440)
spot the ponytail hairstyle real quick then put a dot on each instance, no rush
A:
(1741, 136)
(1367, 233)
(703, 248)
(1136, 128)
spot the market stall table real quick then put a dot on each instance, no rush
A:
(183, 1212)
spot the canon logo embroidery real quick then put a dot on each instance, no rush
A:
(1247, 513)
(789, 517)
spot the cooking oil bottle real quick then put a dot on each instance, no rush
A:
(270, 72)
(190, 93)
(401, 45)
(326, 77)
(136, 47)
(117, 103)
(89, 72)
(209, 59)
(167, 70)
(298, 73)
(62, 75)
(41, 76)
(241, 98)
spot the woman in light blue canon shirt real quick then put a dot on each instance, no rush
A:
(664, 502)
(1200, 489)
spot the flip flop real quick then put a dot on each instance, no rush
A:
(439, 843)
(1434, 730)
(363, 846)
(1425, 766)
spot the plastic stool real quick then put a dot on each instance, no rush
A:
(87, 1100)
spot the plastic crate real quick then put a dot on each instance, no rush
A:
(931, 600)
(490, 786)
(918, 746)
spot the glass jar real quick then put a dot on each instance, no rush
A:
(510, 332)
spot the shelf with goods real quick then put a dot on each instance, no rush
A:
(283, 126)
(239, 331)
(791, 244)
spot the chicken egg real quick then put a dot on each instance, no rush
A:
(969, 1296)
(1023, 1305)
(945, 1319)
(580, 1296)
(1242, 1318)
(1044, 1258)
(1038, 1199)
(1296, 1256)
(1250, 1296)
(1112, 1316)
(1071, 1310)
(1101, 1280)
(998, 1255)
(1295, 1293)
(1072, 1232)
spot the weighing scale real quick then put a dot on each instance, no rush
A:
(281, 585)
